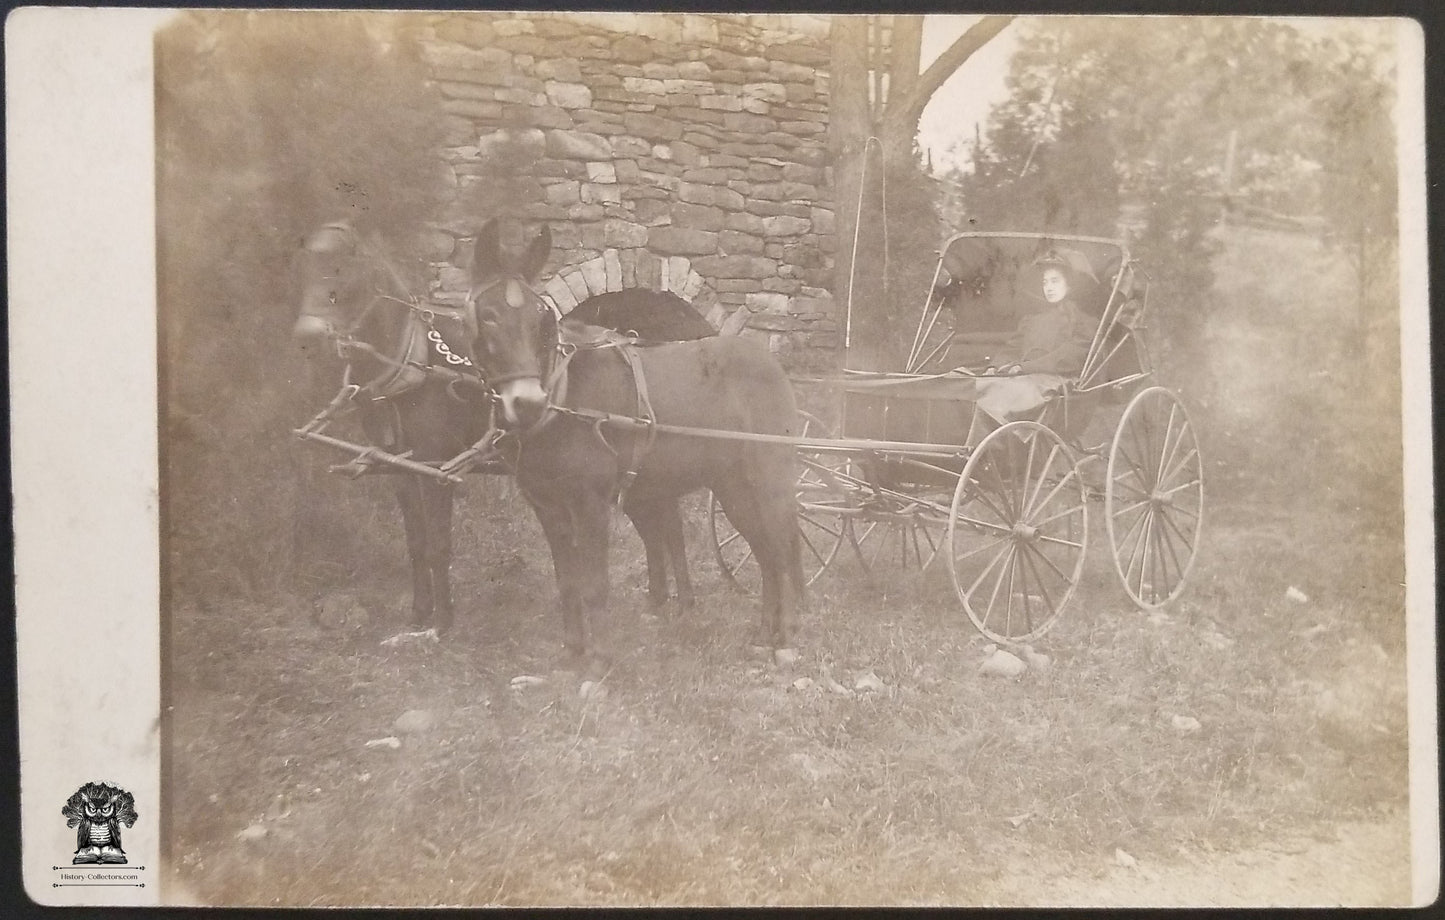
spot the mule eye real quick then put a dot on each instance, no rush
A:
(488, 316)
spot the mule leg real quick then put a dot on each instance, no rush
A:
(654, 543)
(438, 500)
(410, 495)
(593, 526)
(659, 524)
(677, 553)
(780, 514)
(558, 526)
(775, 473)
(739, 502)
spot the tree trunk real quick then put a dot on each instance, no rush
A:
(854, 118)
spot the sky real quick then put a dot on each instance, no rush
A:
(966, 98)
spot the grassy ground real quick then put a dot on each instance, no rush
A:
(706, 776)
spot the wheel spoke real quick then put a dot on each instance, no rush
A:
(1136, 488)
(932, 545)
(818, 524)
(1142, 529)
(1011, 566)
(1120, 512)
(1161, 568)
(1175, 468)
(1059, 541)
(1171, 442)
(1140, 435)
(1052, 493)
(735, 568)
(1139, 522)
(1053, 565)
(1032, 502)
(1170, 526)
(1004, 517)
(1054, 517)
(1145, 546)
(812, 549)
(1008, 548)
(993, 527)
(1029, 554)
(858, 541)
(1000, 492)
(910, 538)
(980, 549)
(1011, 488)
(1181, 487)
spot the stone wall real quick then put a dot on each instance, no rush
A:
(679, 152)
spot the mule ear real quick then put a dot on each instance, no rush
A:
(487, 252)
(536, 255)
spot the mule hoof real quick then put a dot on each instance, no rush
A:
(783, 657)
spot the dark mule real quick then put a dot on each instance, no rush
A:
(653, 316)
(355, 302)
(572, 469)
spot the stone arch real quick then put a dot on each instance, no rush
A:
(621, 269)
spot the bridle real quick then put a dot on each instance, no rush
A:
(551, 347)
(396, 367)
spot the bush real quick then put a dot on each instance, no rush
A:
(269, 124)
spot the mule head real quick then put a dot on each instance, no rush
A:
(511, 322)
(332, 286)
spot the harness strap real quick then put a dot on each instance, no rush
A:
(641, 446)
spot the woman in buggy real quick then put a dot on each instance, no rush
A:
(1050, 347)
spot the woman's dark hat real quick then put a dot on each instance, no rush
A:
(1072, 260)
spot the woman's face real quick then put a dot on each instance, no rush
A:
(1056, 286)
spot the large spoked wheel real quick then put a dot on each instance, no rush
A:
(820, 522)
(1017, 532)
(1154, 499)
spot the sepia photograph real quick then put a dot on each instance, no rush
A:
(778, 459)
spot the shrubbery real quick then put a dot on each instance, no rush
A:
(269, 124)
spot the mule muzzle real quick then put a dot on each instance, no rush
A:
(523, 401)
(311, 332)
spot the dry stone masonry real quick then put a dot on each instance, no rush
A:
(675, 152)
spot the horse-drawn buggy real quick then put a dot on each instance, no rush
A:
(977, 450)
(1026, 392)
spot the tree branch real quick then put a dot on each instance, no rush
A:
(904, 111)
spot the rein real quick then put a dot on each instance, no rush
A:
(420, 321)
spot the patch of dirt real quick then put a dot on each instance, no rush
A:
(1345, 864)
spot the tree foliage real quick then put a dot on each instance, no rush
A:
(269, 124)
(1157, 127)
